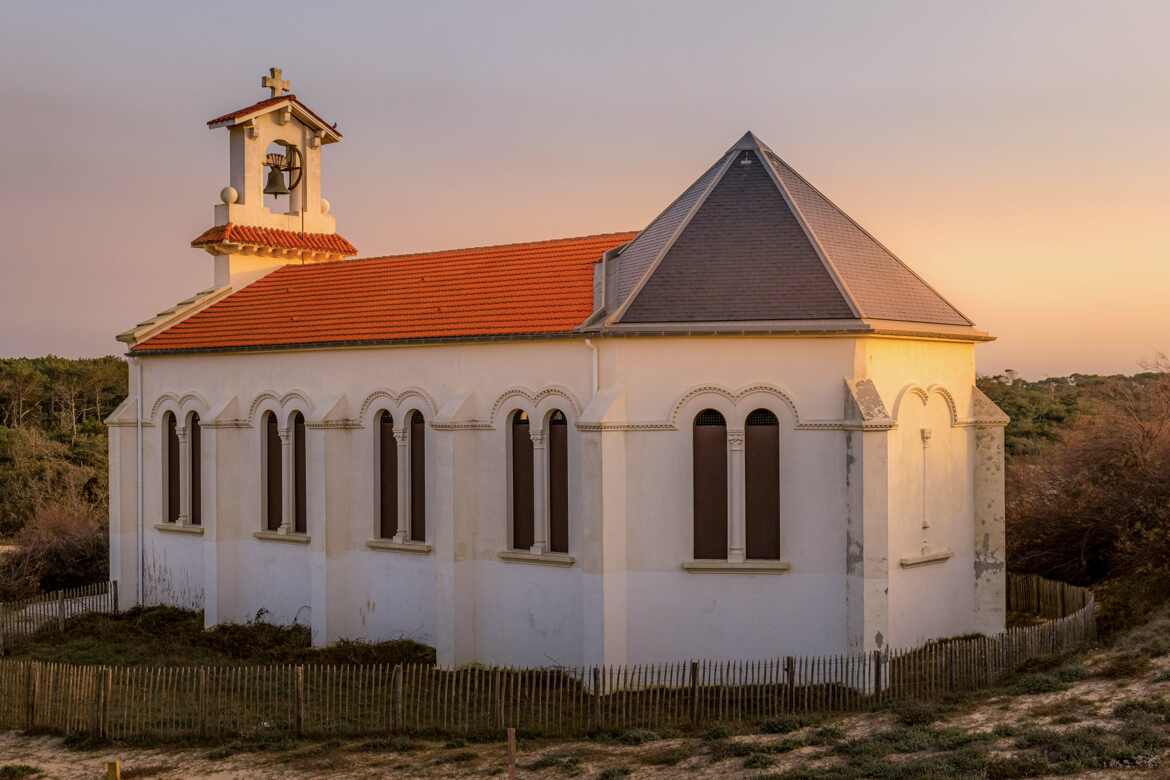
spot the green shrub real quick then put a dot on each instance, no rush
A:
(667, 757)
(637, 737)
(717, 732)
(18, 771)
(1124, 665)
(783, 725)
(758, 761)
(1037, 682)
(916, 713)
(614, 773)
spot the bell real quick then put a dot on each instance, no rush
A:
(275, 185)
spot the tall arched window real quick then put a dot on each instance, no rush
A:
(387, 477)
(171, 468)
(558, 482)
(522, 501)
(196, 474)
(418, 477)
(710, 485)
(273, 488)
(300, 496)
(762, 475)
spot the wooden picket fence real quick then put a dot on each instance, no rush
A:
(27, 617)
(186, 702)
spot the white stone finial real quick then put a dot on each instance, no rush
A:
(274, 82)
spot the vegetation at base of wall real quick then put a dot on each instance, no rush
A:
(168, 636)
(53, 470)
(1088, 501)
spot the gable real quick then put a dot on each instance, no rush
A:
(743, 255)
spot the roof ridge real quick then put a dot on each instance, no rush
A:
(723, 163)
(486, 247)
(809, 232)
(870, 236)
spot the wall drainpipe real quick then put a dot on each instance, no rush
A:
(141, 547)
(596, 369)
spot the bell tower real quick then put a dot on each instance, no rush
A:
(272, 211)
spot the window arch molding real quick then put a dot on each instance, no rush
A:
(535, 403)
(735, 405)
(410, 511)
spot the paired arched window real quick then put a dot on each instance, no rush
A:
(177, 507)
(171, 464)
(528, 517)
(273, 473)
(710, 484)
(275, 453)
(760, 510)
(522, 482)
(415, 478)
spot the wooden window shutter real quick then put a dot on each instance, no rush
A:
(300, 497)
(522, 501)
(710, 485)
(273, 488)
(762, 494)
(387, 477)
(418, 478)
(193, 436)
(558, 482)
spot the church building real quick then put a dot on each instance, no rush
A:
(746, 430)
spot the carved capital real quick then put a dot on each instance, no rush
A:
(537, 440)
(735, 439)
(402, 436)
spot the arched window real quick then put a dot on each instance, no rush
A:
(418, 478)
(171, 468)
(762, 475)
(387, 477)
(300, 496)
(522, 501)
(710, 485)
(558, 482)
(195, 485)
(273, 489)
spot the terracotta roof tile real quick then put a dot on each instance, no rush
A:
(281, 239)
(534, 288)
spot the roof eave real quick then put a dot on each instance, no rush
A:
(329, 134)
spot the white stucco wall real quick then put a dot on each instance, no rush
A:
(626, 597)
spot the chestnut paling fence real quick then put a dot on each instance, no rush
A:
(26, 617)
(183, 702)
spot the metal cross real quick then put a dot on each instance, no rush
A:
(274, 82)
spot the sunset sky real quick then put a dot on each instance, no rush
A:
(1015, 154)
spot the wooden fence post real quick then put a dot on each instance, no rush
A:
(99, 703)
(695, 693)
(398, 703)
(596, 698)
(114, 596)
(31, 673)
(300, 703)
(877, 672)
(61, 611)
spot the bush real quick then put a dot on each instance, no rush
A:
(1123, 665)
(1026, 684)
(784, 725)
(637, 737)
(65, 545)
(758, 761)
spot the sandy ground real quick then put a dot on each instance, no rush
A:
(1092, 698)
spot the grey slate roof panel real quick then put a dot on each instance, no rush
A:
(637, 258)
(742, 256)
(882, 287)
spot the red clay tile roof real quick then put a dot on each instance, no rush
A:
(281, 239)
(272, 101)
(534, 288)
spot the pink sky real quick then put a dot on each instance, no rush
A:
(1015, 155)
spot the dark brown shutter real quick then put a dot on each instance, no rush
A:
(522, 528)
(172, 466)
(710, 485)
(196, 466)
(301, 495)
(418, 478)
(558, 482)
(387, 476)
(273, 491)
(762, 474)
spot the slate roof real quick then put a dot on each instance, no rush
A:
(541, 287)
(751, 240)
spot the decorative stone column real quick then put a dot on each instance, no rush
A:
(287, 481)
(184, 436)
(540, 518)
(737, 516)
(402, 437)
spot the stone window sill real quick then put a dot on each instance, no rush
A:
(740, 567)
(418, 548)
(277, 536)
(175, 528)
(547, 559)
(938, 556)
